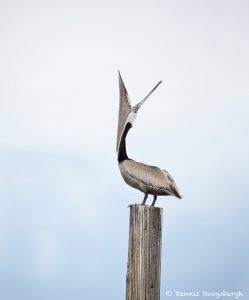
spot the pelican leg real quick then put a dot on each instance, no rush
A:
(145, 198)
(154, 200)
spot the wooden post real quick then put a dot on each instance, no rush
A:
(144, 254)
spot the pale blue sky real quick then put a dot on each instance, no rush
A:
(63, 203)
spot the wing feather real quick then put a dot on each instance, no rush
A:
(153, 177)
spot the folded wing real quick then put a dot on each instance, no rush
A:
(151, 179)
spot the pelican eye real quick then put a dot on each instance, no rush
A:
(135, 109)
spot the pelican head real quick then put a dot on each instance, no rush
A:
(127, 113)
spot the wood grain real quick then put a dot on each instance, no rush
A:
(144, 253)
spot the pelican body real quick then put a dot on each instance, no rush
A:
(150, 180)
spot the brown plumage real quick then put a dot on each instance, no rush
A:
(148, 179)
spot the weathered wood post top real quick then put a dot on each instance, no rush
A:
(144, 254)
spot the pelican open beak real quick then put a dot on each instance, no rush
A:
(137, 106)
(127, 113)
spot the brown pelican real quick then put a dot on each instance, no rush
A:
(147, 179)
